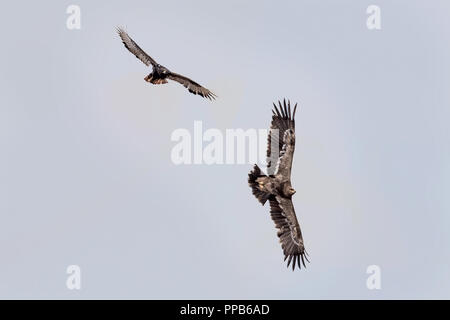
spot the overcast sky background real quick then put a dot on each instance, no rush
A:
(85, 169)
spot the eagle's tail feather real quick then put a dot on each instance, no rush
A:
(155, 80)
(255, 185)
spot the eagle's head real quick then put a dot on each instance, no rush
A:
(291, 191)
(163, 70)
(288, 190)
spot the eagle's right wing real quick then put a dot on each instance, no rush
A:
(283, 214)
(134, 48)
(282, 121)
(192, 86)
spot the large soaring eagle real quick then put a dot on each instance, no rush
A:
(160, 74)
(276, 186)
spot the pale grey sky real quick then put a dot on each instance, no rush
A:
(86, 176)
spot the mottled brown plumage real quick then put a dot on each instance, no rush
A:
(160, 74)
(276, 186)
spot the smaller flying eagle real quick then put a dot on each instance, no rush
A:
(160, 74)
(276, 186)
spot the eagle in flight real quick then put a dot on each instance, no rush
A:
(160, 74)
(276, 186)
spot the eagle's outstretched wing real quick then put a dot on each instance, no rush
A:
(283, 214)
(282, 121)
(192, 86)
(134, 48)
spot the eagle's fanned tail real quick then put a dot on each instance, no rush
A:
(155, 80)
(252, 177)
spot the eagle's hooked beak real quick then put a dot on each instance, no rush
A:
(292, 191)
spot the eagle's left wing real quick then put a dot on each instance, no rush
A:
(284, 162)
(134, 48)
(283, 214)
(282, 122)
(192, 86)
